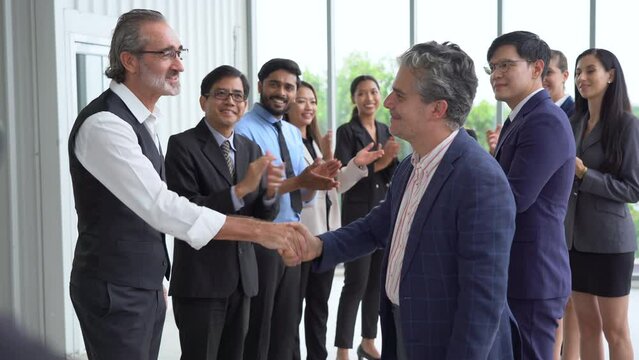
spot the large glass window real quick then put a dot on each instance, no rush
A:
(475, 43)
(297, 31)
(615, 22)
(370, 35)
(564, 25)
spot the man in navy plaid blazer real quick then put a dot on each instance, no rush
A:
(447, 223)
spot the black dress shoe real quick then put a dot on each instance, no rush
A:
(361, 354)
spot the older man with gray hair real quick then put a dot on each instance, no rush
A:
(447, 222)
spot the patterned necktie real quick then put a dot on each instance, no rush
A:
(226, 151)
(296, 196)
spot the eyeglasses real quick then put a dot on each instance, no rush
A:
(167, 54)
(224, 94)
(502, 66)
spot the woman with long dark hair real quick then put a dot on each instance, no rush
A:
(599, 229)
(362, 276)
(321, 215)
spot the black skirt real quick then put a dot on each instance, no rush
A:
(607, 275)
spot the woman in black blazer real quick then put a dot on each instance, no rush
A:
(600, 232)
(362, 276)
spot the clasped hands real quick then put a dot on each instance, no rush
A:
(293, 241)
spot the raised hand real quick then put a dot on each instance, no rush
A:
(328, 168)
(320, 175)
(274, 178)
(326, 144)
(253, 175)
(492, 136)
(365, 156)
(391, 149)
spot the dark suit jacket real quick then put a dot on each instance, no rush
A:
(568, 107)
(455, 268)
(537, 153)
(598, 219)
(196, 169)
(369, 191)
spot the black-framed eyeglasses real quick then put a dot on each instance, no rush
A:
(166, 54)
(224, 94)
(502, 66)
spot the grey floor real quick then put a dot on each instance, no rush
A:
(170, 348)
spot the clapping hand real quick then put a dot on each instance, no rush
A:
(254, 175)
(274, 177)
(320, 175)
(326, 144)
(365, 156)
(492, 136)
(391, 149)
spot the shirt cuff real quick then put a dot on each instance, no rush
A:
(362, 170)
(237, 202)
(206, 226)
(271, 201)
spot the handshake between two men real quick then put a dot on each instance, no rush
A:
(293, 241)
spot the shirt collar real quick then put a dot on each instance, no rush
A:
(219, 138)
(134, 104)
(515, 111)
(260, 110)
(562, 100)
(436, 154)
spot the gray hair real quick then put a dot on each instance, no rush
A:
(443, 72)
(126, 37)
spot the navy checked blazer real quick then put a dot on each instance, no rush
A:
(455, 270)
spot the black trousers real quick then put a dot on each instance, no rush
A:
(361, 283)
(273, 320)
(118, 322)
(315, 289)
(212, 329)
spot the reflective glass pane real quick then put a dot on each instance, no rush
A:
(297, 31)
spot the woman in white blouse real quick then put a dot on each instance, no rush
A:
(321, 215)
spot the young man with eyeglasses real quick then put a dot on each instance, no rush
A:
(214, 167)
(124, 207)
(536, 150)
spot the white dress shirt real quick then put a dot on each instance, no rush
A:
(515, 111)
(423, 170)
(562, 100)
(108, 149)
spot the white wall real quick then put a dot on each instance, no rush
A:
(37, 219)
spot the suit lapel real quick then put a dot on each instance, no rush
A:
(518, 121)
(307, 155)
(427, 202)
(212, 151)
(241, 159)
(363, 137)
(592, 138)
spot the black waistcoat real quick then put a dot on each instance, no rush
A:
(114, 244)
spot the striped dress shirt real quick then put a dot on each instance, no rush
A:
(423, 170)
